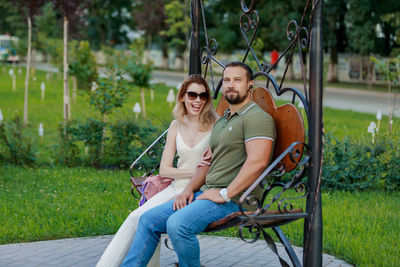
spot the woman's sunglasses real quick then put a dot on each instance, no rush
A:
(193, 95)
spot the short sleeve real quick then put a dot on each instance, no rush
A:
(259, 125)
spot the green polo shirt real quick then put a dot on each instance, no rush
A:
(228, 138)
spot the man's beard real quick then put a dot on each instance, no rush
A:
(236, 99)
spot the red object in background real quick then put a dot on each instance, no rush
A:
(274, 56)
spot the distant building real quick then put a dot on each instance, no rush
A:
(8, 50)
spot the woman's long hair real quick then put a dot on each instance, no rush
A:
(208, 116)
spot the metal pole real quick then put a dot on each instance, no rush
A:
(194, 60)
(313, 224)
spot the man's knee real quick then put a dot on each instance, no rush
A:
(176, 226)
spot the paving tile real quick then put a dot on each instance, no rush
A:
(82, 252)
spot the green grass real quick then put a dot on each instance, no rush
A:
(50, 203)
(41, 204)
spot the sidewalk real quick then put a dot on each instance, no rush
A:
(82, 252)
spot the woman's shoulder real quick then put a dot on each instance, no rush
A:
(173, 127)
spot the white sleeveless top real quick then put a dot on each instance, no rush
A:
(189, 157)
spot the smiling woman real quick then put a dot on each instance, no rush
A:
(188, 136)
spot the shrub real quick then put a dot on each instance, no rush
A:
(125, 141)
(67, 150)
(128, 140)
(16, 144)
(350, 165)
(91, 133)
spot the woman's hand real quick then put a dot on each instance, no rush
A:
(183, 199)
(205, 159)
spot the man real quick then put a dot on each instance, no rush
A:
(241, 143)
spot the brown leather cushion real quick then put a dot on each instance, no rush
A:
(288, 122)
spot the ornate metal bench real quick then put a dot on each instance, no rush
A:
(295, 170)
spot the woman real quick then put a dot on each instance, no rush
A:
(188, 135)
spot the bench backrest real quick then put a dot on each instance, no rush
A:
(288, 121)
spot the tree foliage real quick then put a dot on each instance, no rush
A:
(149, 16)
(139, 72)
(111, 92)
(83, 65)
(178, 24)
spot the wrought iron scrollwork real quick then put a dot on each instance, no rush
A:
(148, 162)
(295, 183)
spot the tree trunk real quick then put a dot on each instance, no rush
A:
(290, 72)
(333, 67)
(164, 63)
(147, 51)
(143, 102)
(14, 76)
(28, 68)
(74, 88)
(369, 74)
(66, 101)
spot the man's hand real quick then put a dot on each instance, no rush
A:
(184, 198)
(213, 195)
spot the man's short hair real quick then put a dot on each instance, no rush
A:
(249, 72)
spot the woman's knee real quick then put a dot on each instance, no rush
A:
(146, 219)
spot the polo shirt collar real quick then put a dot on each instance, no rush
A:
(241, 111)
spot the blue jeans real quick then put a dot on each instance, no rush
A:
(182, 226)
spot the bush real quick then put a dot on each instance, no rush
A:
(67, 150)
(90, 133)
(15, 143)
(128, 140)
(350, 165)
(124, 141)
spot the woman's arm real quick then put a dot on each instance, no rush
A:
(166, 165)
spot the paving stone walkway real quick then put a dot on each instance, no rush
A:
(82, 252)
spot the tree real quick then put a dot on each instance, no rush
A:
(149, 16)
(391, 73)
(139, 72)
(364, 18)
(334, 31)
(109, 22)
(82, 67)
(178, 25)
(28, 8)
(70, 9)
(110, 94)
(10, 19)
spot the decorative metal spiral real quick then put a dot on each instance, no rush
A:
(245, 9)
(254, 229)
(301, 187)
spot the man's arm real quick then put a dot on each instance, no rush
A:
(258, 153)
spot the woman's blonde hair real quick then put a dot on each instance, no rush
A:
(207, 114)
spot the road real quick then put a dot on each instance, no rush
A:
(345, 99)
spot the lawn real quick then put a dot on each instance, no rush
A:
(50, 203)
(56, 202)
